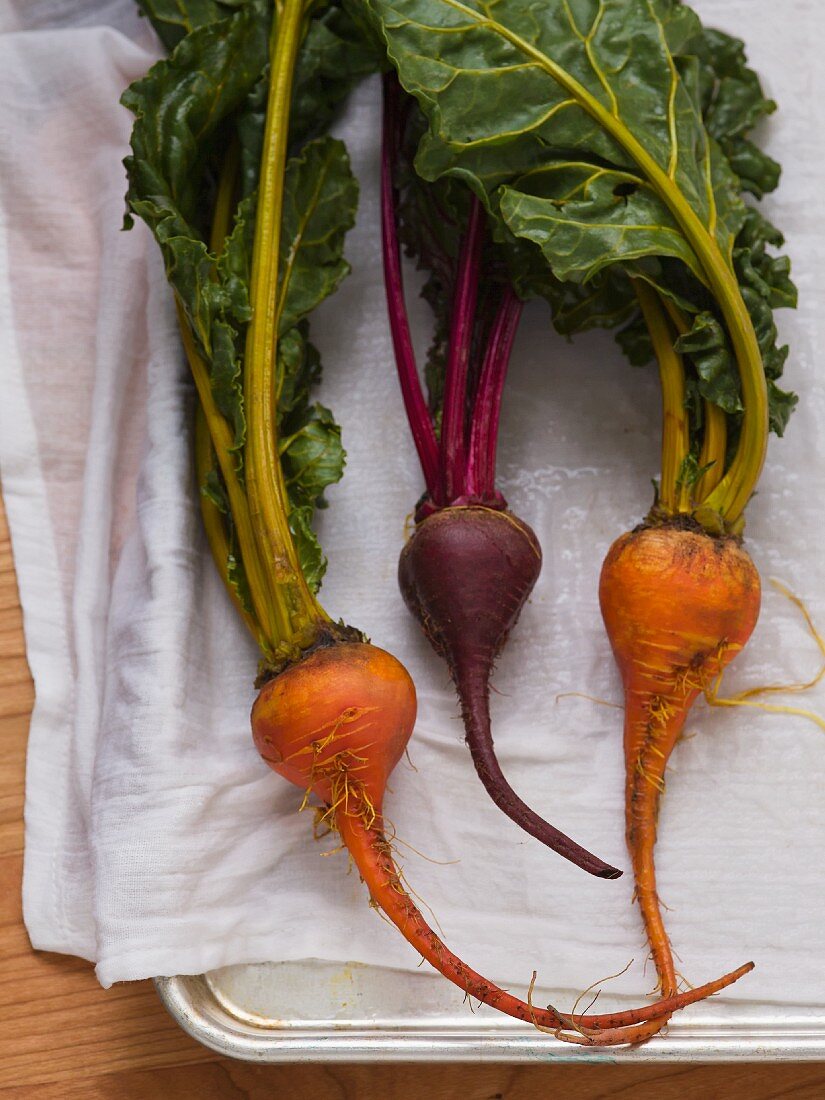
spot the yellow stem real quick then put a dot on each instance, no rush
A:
(714, 450)
(673, 495)
(215, 524)
(715, 438)
(214, 521)
(222, 441)
(300, 612)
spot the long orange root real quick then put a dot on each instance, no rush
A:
(372, 855)
(678, 605)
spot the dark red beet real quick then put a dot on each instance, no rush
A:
(465, 574)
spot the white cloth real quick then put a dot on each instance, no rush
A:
(156, 841)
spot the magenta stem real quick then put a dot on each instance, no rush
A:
(481, 464)
(453, 446)
(415, 404)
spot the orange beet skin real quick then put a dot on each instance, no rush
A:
(349, 704)
(678, 605)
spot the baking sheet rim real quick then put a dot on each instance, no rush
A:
(190, 1001)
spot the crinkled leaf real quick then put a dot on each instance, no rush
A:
(311, 451)
(781, 404)
(172, 19)
(335, 55)
(769, 275)
(707, 345)
(512, 92)
(733, 103)
(187, 108)
(310, 555)
(180, 105)
(312, 456)
(585, 218)
(733, 98)
(320, 197)
(757, 172)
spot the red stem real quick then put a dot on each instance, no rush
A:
(415, 403)
(453, 445)
(481, 465)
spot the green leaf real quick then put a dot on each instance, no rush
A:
(310, 555)
(179, 107)
(734, 100)
(187, 110)
(733, 103)
(708, 347)
(782, 404)
(585, 218)
(584, 126)
(312, 456)
(757, 268)
(172, 19)
(634, 340)
(335, 56)
(320, 198)
(758, 173)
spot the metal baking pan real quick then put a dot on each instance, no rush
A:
(323, 1012)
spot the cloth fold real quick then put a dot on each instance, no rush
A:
(156, 842)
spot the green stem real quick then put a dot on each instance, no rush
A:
(222, 441)
(299, 613)
(734, 491)
(225, 199)
(673, 495)
(215, 525)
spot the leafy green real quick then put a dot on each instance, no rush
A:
(320, 197)
(180, 107)
(335, 56)
(187, 110)
(586, 217)
(172, 19)
(707, 345)
(732, 105)
(581, 125)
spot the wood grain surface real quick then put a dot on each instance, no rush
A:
(64, 1038)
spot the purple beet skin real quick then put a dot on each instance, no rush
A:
(465, 574)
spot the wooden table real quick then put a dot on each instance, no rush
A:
(62, 1037)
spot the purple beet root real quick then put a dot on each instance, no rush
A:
(465, 574)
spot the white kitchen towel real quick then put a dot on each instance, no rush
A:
(156, 841)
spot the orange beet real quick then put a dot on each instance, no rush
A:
(678, 605)
(344, 713)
